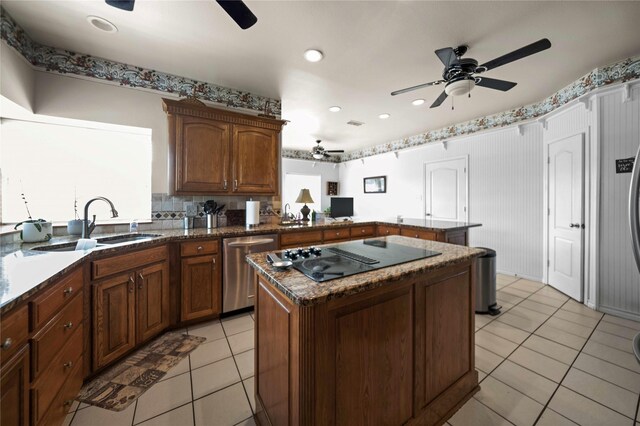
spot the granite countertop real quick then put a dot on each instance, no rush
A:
(24, 271)
(302, 290)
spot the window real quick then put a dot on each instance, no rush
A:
(293, 183)
(53, 164)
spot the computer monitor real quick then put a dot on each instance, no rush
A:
(341, 207)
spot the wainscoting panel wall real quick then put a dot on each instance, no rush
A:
(505, 191)
(619, 133)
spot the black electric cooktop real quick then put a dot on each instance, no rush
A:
(331, 262)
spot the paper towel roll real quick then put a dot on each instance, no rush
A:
(253, 213)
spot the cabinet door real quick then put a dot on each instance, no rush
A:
(114, 328)
(14, 390)
(255, 160)
(202, 155)
(201, 289)
(152, 300)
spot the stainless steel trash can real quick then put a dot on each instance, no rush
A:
(486, 283)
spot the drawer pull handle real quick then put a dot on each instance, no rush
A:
(416, 235)
(7, 343)
(337, 233)
(235, 185)
(387, 231)
(141, 276)
(225, 184)
(199, 248)
(68, 364)
(68, 325)
(67, 291)
(214, 260)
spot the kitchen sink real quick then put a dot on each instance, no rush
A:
(102, 242)
(127, 238)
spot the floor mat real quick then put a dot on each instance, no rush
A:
(120, 385)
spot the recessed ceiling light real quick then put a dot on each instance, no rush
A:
(335, 109)
(101, 24)
(417, 102)
(384, 116)
(313, 55)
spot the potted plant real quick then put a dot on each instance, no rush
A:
(74, 227)
(34, 230)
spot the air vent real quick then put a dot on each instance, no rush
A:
(355, 123)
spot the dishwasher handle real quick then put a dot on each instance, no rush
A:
(251, 243)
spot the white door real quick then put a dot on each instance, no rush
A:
(566, 225)
(446, 190)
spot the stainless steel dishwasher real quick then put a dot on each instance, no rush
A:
(239, 280)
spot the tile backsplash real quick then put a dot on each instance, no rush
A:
(167, 211)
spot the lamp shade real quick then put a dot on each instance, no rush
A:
(304, 196)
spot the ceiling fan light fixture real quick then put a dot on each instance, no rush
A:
(384, 116)
(459, 87)
(313, 55)
(318, 155)
(335, 109)
(101, 24)
(417, 102)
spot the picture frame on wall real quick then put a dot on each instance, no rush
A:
(375, 185)
(332, 188)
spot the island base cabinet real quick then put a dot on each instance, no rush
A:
(399, 354)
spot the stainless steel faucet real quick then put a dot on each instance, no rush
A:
(287, 216)
(87, 228)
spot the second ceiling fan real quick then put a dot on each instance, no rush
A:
(461, 75)
(237, 10)
(319, 152)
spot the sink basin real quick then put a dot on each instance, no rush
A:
(290, 223)
(102, 242)
(60, 247)
(127, 238)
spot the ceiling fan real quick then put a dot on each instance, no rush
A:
(319, 152)
(460, 74)
(238, 11)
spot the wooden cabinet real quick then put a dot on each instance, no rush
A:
(419, 233)
(14, 389)
(14, 331)
(215, 151)
(201, 280)
(131, 302)
(336, 235)
(152, 300)
(359, 232)
(201, 287)
(201, 155)
(114, 318)
(384, 230)
(300, 239)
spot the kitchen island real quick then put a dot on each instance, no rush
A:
(388, 346)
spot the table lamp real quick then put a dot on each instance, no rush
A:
(305, 197)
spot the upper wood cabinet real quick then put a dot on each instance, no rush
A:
(255, 160)
(202, 154)
(214, 151)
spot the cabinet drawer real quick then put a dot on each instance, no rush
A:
(384, 230)
(363, 231)
(125, 262)
(195, 248)
(336, 234)
(45, 306)
(418, 233)
(301, 238)
(14, 332)
(61, 404)
(48, 385)
(48, 342)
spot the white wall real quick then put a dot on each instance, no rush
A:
(619, 134)
(328, 172)
(505, 191)
(17, 80)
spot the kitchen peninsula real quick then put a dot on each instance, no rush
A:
(389, 346)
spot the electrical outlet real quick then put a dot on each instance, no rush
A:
(191, 209)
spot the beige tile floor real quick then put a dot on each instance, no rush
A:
(546, 360)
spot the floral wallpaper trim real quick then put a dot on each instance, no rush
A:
(65, 62)
(306, 155)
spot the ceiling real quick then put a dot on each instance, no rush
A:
(371, 48)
